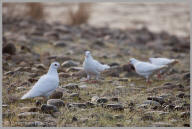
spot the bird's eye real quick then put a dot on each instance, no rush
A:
(55, 64)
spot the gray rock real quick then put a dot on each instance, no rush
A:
(77, 105)
(60, 43)
(158, 99)
(151, 102)
(56, 102)
(69, 63)
(28, 114)
(74, 95)
(74, 69)
(102, 100)
(32, 124)
(56, 95)
(162, 124)
(115, 106)
(90, 104)
(71, 86)
(64, 75)
(49, 109)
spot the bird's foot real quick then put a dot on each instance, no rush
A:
(94, 81)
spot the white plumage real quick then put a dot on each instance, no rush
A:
(145, 69)
(46, 84)
(92, 67)
(162, 61)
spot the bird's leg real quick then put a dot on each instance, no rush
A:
(159, 76)
(96, 80)
(148, 81)
(88, 78)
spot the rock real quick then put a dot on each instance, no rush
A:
(94, 99)
(143, 106)
(147, 117)
(8, 114)
(123, 79)
(185, 115)
(30, 109)
(9, 48)
(32, 124)
(71, 86)
(60, 43)
(158, 99)
(102, 100)
(40, 66)
(74, 69)
(69, 63)
(119, 116)
(74, 119)
(56, 95)
(49, 109)
(83, 87)
(186, 76)
(28, 114)
(169, 107)
(115, 107)
(115, 99)
(56, 102)
(162, 124)
(114, 64)
(151, 102)
(128, 68)
(78, 105)
(181, 95)
(64, 75)
(90, 104)
(74, 95)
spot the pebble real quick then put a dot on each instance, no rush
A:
(56, 102)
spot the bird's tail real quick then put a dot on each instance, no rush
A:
(27, 95)
(106, 66)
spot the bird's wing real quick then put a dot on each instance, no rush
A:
(144, 67)
(99, 66)
(44, 85)
(161, 61)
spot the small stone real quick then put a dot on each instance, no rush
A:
(94, 99)
(9, 48)
(71, 86)
(151, 102)
(83, 86)
(28, 114)
(64, 75)
(60, 43)
(185, 115)
(90, 104)
(69, 63)
(78, 105)
(115, 99)
(102, 100)
(74, 95)
(115, 106)
(119, 116)
(74, 69)
(158, 99)
(56, 102)
(56, 95)
(49, 109)
(40, 66)
(74, 119)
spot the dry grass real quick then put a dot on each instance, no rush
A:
(35, 10)
(80, 16)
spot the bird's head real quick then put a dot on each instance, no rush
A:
(132, 61)
(87, 54)
(55, 65)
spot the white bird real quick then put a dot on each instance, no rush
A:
(163, 61)
(46, 84)
(93, 67)
(145, 69)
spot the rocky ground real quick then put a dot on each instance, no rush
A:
(120, 98)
